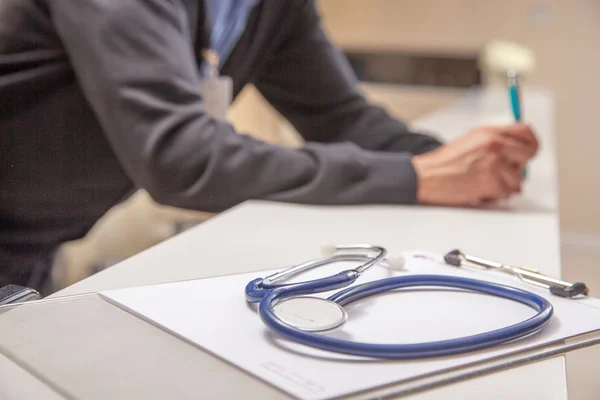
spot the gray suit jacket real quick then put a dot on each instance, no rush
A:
(98, 97)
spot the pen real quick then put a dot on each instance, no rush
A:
(513, 90)
(515, 102)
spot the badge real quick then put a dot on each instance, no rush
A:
(217, 91)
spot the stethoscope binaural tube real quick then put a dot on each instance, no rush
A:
(258, 288)
(403, 351)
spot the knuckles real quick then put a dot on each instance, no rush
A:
(493, 162)
(491, 142)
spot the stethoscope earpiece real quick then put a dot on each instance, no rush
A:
(397, 263)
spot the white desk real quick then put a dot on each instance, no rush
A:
(258, 236)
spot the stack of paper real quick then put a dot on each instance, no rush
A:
(214, 315)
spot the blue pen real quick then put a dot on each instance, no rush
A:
(515, 102)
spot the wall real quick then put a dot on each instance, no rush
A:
(565, 36)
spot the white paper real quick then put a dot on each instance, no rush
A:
(213, 314)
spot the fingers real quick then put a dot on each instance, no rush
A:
(516, 143)
(499, 180)
(511, 179)
(483, 165)
(514, 152)
(492, 185)
(521, 133)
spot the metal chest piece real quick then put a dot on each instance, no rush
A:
(311, 314)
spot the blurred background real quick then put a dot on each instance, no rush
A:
(415, 57)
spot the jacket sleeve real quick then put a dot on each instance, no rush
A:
(136, 66)
(311, 83)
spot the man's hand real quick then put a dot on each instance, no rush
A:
(483, 165)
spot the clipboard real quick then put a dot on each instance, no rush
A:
(212, 315)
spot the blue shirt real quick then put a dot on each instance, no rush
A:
(228, 20)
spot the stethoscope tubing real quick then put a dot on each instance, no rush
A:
(268, 298)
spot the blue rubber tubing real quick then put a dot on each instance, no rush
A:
(269, 297)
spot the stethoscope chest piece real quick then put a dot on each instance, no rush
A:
(311, 314)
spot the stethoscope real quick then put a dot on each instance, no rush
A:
(288, 310)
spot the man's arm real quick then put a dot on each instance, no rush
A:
(311, 83)
(135, 64)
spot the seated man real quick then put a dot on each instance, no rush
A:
(100, 97)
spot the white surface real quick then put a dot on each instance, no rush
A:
(527, 235)
(543, 381)
(260, 235)
(23, 384)
(194, 310)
